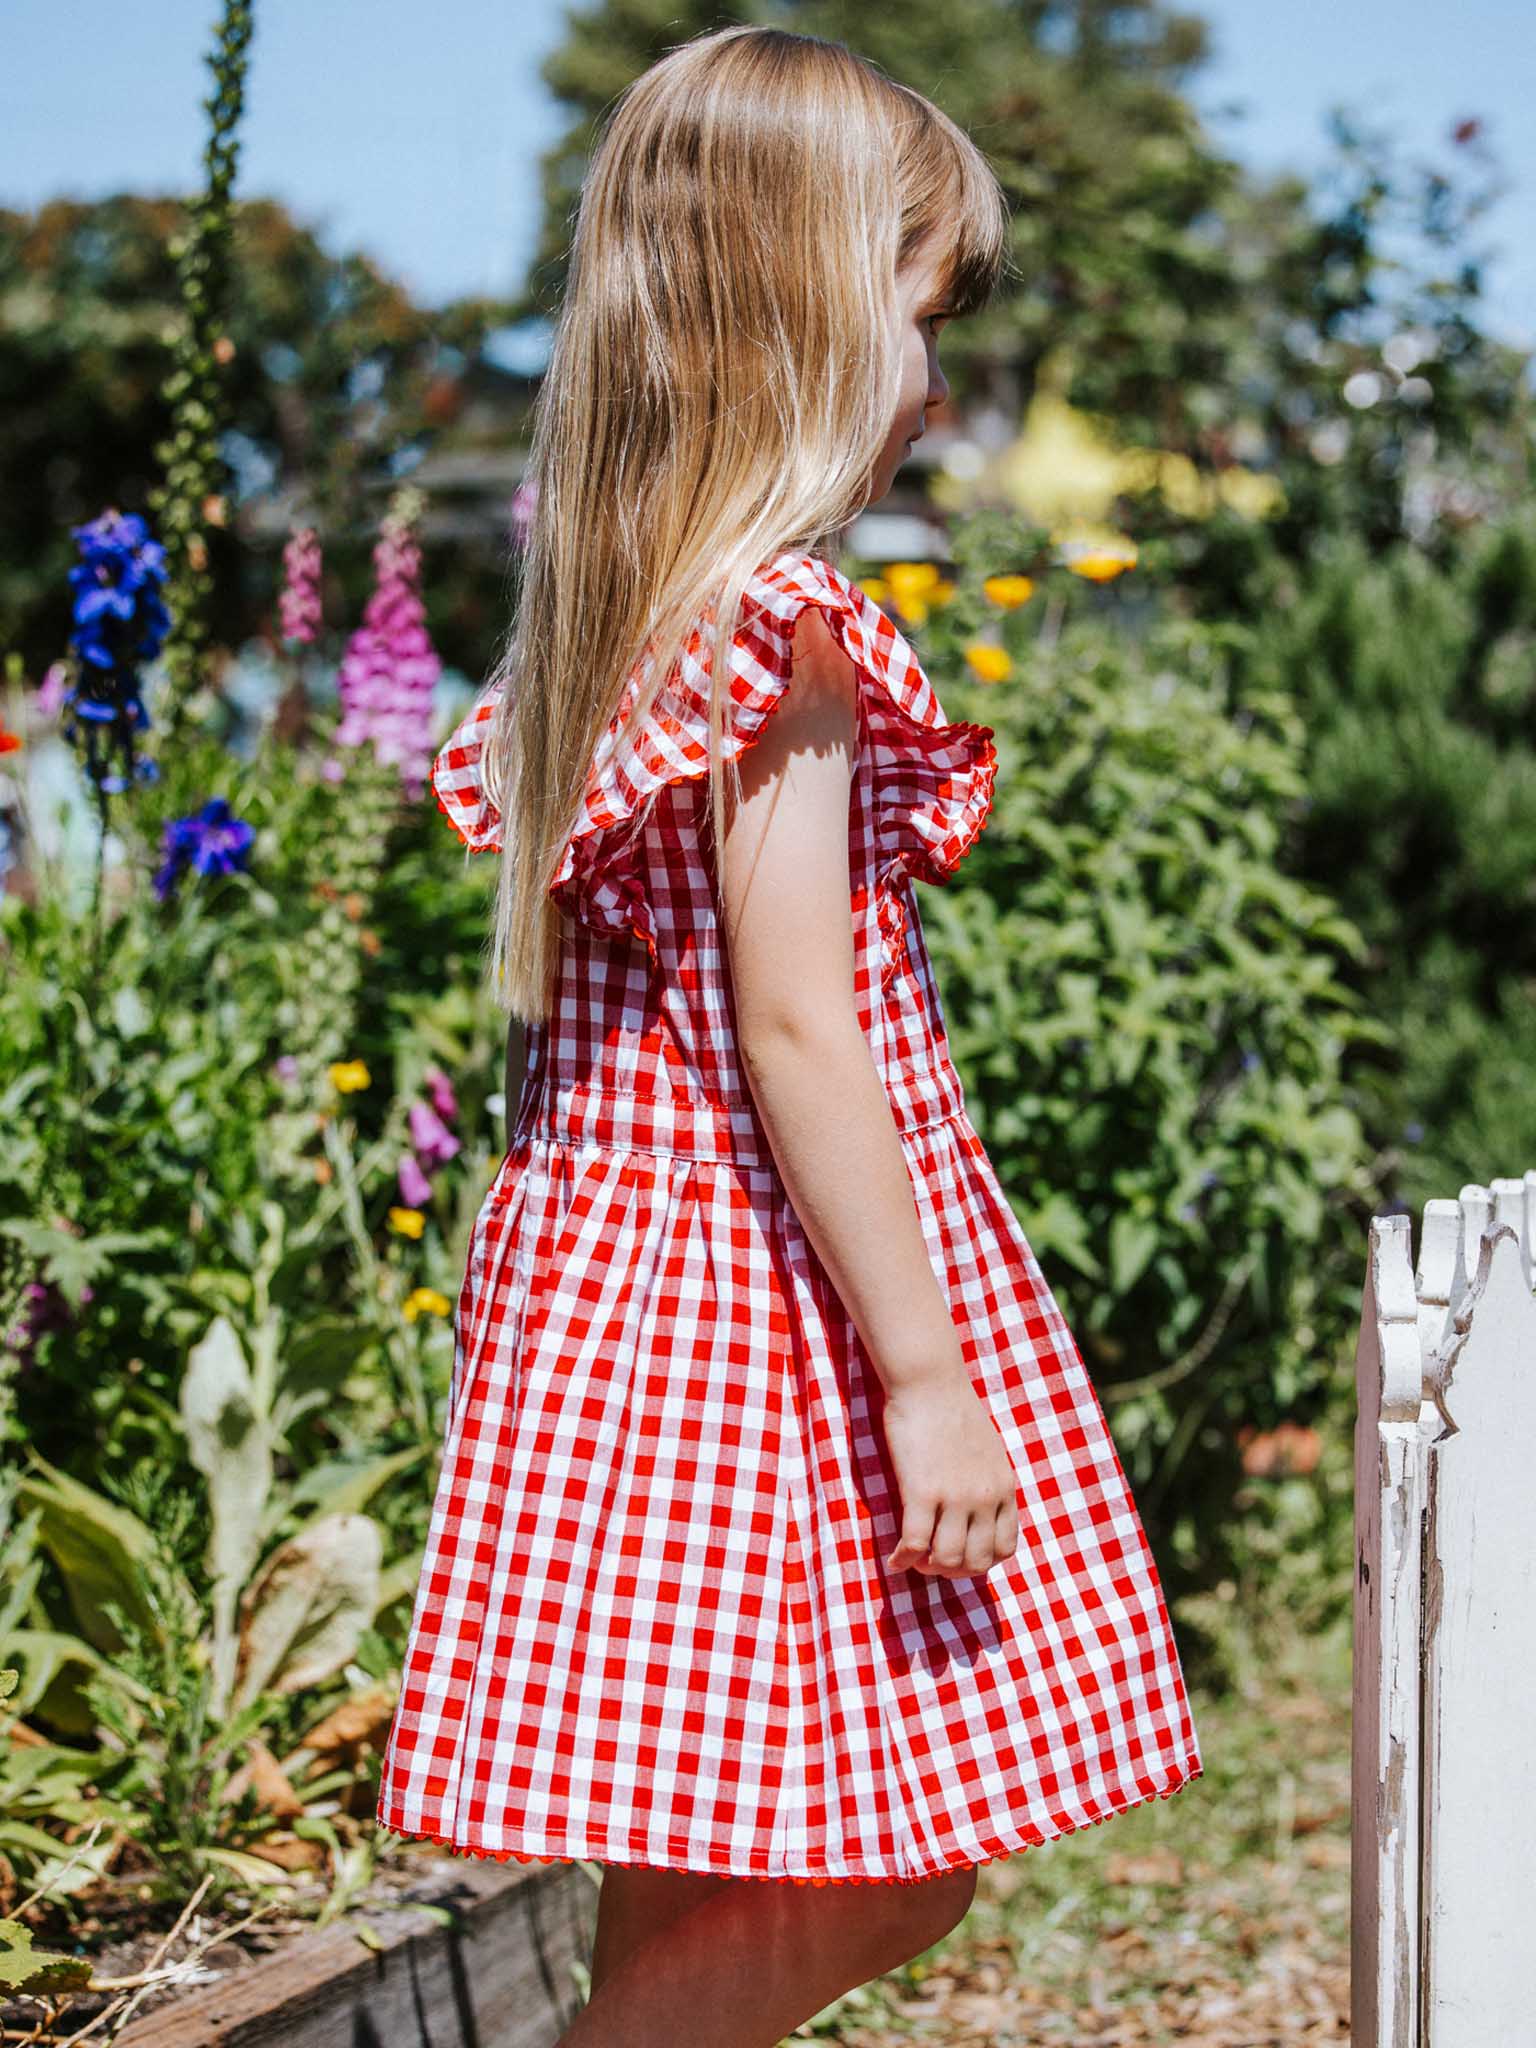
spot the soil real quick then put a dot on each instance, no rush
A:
(120, 1924)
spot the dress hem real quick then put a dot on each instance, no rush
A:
(1187, 1773)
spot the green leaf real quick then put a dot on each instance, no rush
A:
(1132, 1243)
(99, 1548)
(253, 1869)
(24, 1968)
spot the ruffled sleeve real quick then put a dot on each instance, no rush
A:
(456, 782)
(932, 777)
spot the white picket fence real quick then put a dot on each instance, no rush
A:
(1443, 1877)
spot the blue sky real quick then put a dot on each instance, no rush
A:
(415, 135)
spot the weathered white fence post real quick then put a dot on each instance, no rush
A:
(1444, 1843)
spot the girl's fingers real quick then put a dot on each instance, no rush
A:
(916, 1534)
(947, 1550)
(981, 1544)
(951, 1543)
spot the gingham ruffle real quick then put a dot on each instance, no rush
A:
(933, 777)
(1061, 1825)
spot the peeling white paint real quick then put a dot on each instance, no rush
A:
(1444, 1845)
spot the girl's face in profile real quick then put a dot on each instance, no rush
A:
(922, 313)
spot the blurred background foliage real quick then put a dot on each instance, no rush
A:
(1245, 954)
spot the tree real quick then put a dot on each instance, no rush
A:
(1416, 687)
(336, 377)
(1196, 310)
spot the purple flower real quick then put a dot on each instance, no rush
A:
(433, 1142)
(389, 670)
(52, 691)
(119, 615)
(211, 842)
(120, 621)
(415, 1188)
(521, 510)
(286, 1067)
(444, 1101)
(299, 603)
(45, 1307)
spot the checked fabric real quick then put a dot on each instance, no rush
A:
(653, 1624)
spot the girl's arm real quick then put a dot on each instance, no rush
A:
(788, 921)
(789, 937)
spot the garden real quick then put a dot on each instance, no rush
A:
(1246, 587)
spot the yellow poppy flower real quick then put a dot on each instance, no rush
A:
(1098, 561)
(409, 1222)
(425, 1301)
(875, 587)
(347, 1076)
(1009, 591)
(912, 610)
(911, 580)
(942, 592)
(992, 664)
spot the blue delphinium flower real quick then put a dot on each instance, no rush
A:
(210, 842)
(120, 621)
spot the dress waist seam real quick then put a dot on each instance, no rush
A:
(730, 1130)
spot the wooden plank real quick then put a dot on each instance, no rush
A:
(501, 1979)
(1389, 1489)
(1480, 1653)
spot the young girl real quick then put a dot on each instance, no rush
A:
(779, 1533)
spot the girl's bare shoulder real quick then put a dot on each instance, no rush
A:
(821, 667)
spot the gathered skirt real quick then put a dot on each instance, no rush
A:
(654, 1625)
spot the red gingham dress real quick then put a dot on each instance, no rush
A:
(653, 1624)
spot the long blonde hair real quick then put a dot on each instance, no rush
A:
(724, 374)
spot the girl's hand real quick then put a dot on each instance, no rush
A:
(959, 1501)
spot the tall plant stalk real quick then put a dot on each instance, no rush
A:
(191, 497)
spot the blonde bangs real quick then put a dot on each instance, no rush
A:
(953, 203)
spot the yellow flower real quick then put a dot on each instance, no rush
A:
(1098, 561)
(942, 592)
(875, 587)
(347, 1076)
(1009, 591)
(992, 664)
(425, 1301)
(914, 587)
(911, 579)
(409, 1222)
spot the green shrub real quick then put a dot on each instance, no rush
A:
(1150, 1018)
(1416, 686)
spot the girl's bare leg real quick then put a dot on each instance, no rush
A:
(745, 1967)
(634, 1904)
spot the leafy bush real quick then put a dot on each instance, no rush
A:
(179, 1147)
(1415, 685)
(1152, 1025)
(230, 1333)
